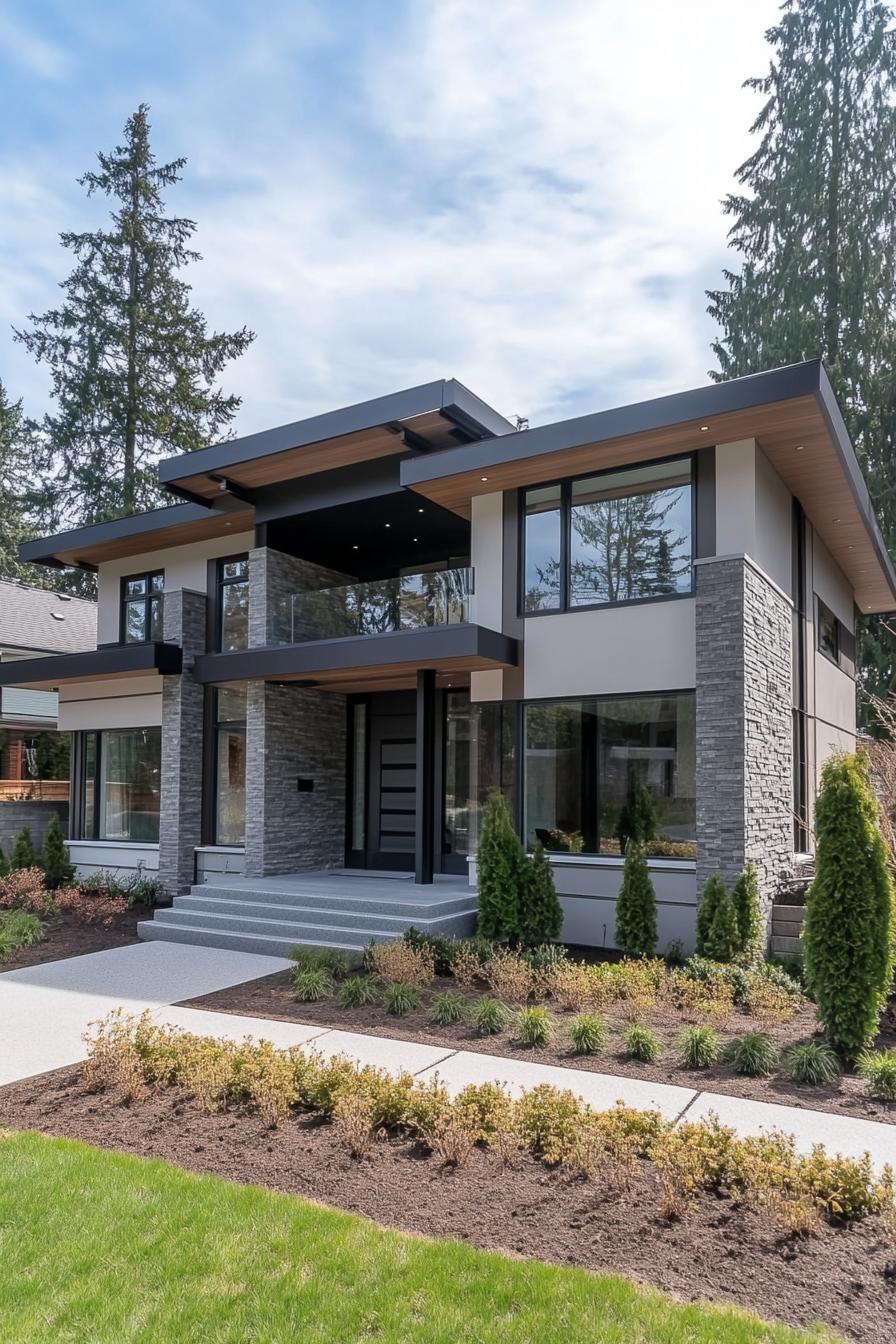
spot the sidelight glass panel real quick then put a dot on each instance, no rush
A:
(230, 765)
(359, 777)
(458, 776)
(542, 580)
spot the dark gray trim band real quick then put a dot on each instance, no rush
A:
(119, 660)
(45, 549)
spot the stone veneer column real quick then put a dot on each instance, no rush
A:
(744, 723)
(180, 820)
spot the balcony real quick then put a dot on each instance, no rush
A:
(379, 607)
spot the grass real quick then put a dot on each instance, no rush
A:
(119, 1250)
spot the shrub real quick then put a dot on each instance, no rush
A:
(755, 1055)
(636, 904)
(57, 866)
(571, 983)
(700, 1047)
(722, 935)
(90, 907)
(534, 1026)
(509, 976)
(488, 1016)
(451, 1137)
(353, 1122)
(848, 976)
(545, 958)
(328, 959)
(878, 1068)
(448, 1008)
(4, 863)
(540, 912)
(745, 899)
(470, 955)
(23, 854)
(268, 1077)
(357, 991)
(500, 861)
(588, 1033)
(23, 889)
(18, 929)
(812, 1062)
(443, 949)
(400, 963)
(637, 816)
(768, 1003)
(642, 1044)
(312, 985)
(487, 1108)
(145, 891)
(402, 998)
(549, 1122)
(712, 894)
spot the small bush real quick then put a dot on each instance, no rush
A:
(534, 1026)
(353, 1122)
(328, 959)
(700, 1047)
(24, 889)
(588, 1033)
(18, 929)
(722, 937)
(470, 956)
(488, 1016)
(401, 998)
(24, 854)
(57, 866)
(642, 1044)
(443, 949)
(540, 912)
(545, 957)
(549, 1122)
(755, 1055)
(400, 963)
(635, 930)
(812, 1062)
(878, 1068)
(451, 1137)
(358, 991)
(768, 1003)
(745, 899)
(509, 976)
(710, 897)
(90, 907)
(487, 1108)
(571, 984)
(500, 865)
(313, 984)
(448, 1008)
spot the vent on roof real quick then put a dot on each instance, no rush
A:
(64, 597)
(58, 615)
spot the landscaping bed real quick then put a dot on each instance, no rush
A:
(68, 936)
(724, 1250)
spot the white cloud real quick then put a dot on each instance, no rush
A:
(29, 50)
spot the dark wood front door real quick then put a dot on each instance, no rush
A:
(391, 781)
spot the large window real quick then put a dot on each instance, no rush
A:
(120, 785)
(233, 604)
(141, 607)
(621, 536)
(589, 764)
(230, 765)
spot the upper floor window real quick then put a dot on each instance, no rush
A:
(620, 536)
(835, 640)
(141, 607)
(233, 603)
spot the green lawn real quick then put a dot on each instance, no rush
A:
(98, 1247)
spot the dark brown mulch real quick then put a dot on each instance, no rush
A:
(722, 1252)
(273, 997)
(69, 937)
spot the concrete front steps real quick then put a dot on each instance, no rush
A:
(273, 915)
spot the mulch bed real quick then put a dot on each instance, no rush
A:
(722, 1252)
(273, 997)
(69, 937)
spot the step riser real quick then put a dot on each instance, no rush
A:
(150, 931)
(323, 926)
(382, 912)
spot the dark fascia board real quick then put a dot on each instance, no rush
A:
(737, 394)
(46, 549)
(442, 395)
(100, 664)
(414, 647)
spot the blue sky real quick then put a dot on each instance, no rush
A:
(520, 194)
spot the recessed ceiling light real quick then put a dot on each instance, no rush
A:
(704, 428)
(414, 538)
(354, 548)
(419, 510)
(835, 520)
(483, 478)
(388, 524)
(800, 447)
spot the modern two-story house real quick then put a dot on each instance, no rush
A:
(352, 627)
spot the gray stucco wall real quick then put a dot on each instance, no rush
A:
(180, 812)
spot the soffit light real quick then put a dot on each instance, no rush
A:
(704, 428)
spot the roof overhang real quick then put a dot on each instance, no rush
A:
(366, 661)
(791, 412)
(109, 663)
(421, 419)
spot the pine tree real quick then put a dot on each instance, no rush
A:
(636, 905)
(18, 438)
(637, 816)
(133, 365)
(745, 898)
(55, 861)
(23, 851)
(500, 861)
(814, 231)
(540, 914)
(722, 934)
(713, 893)
(848, 930)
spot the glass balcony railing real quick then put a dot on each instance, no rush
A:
(412, 602)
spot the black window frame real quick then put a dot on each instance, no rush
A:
(80, 775)
(566, 484)
(221, 582)
(217, 727)
(147, 598)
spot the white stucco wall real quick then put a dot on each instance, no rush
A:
(487, 559)
(753, 510)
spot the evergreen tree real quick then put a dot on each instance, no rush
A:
(637, 816)
(745, 898)
(722, 934)
(848, 930)
(23, 851)
(540, 914)
(500, 861)
(814, 228)
(17, 451)
(53, 752)
(636, 905)
(55, 860)
(4, 863)
(133, 365)
(713, 894)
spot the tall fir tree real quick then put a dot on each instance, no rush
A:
(133, 365)
(814, 229)
(17, 446)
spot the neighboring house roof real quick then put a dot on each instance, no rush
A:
(46, 622)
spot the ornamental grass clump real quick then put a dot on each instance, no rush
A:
(812, 1062)
(534, 1026)
(588, 1033)
(642, 1044)
(699, 1047)
(848, 931)
(401, 998)
(755, 1055)
(358, 991)
(448, 1008)
(328, 959)
(878, 1068)
(312, 985)
(18, 928)
(635, 930)
(488, 1016)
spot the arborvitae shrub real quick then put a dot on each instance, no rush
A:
(499, 862)
(636, 905)
(23, 854)
(848, 929)
(4, 863)
(745, 896)
(540, 912)
(712, 893)
(722, 937)
(57, 866)
(637, 816)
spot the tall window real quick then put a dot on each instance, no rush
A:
(230, 765)
(120, 785)
(141, 607)
(588, 762)
(233, 604)
(621, 536)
